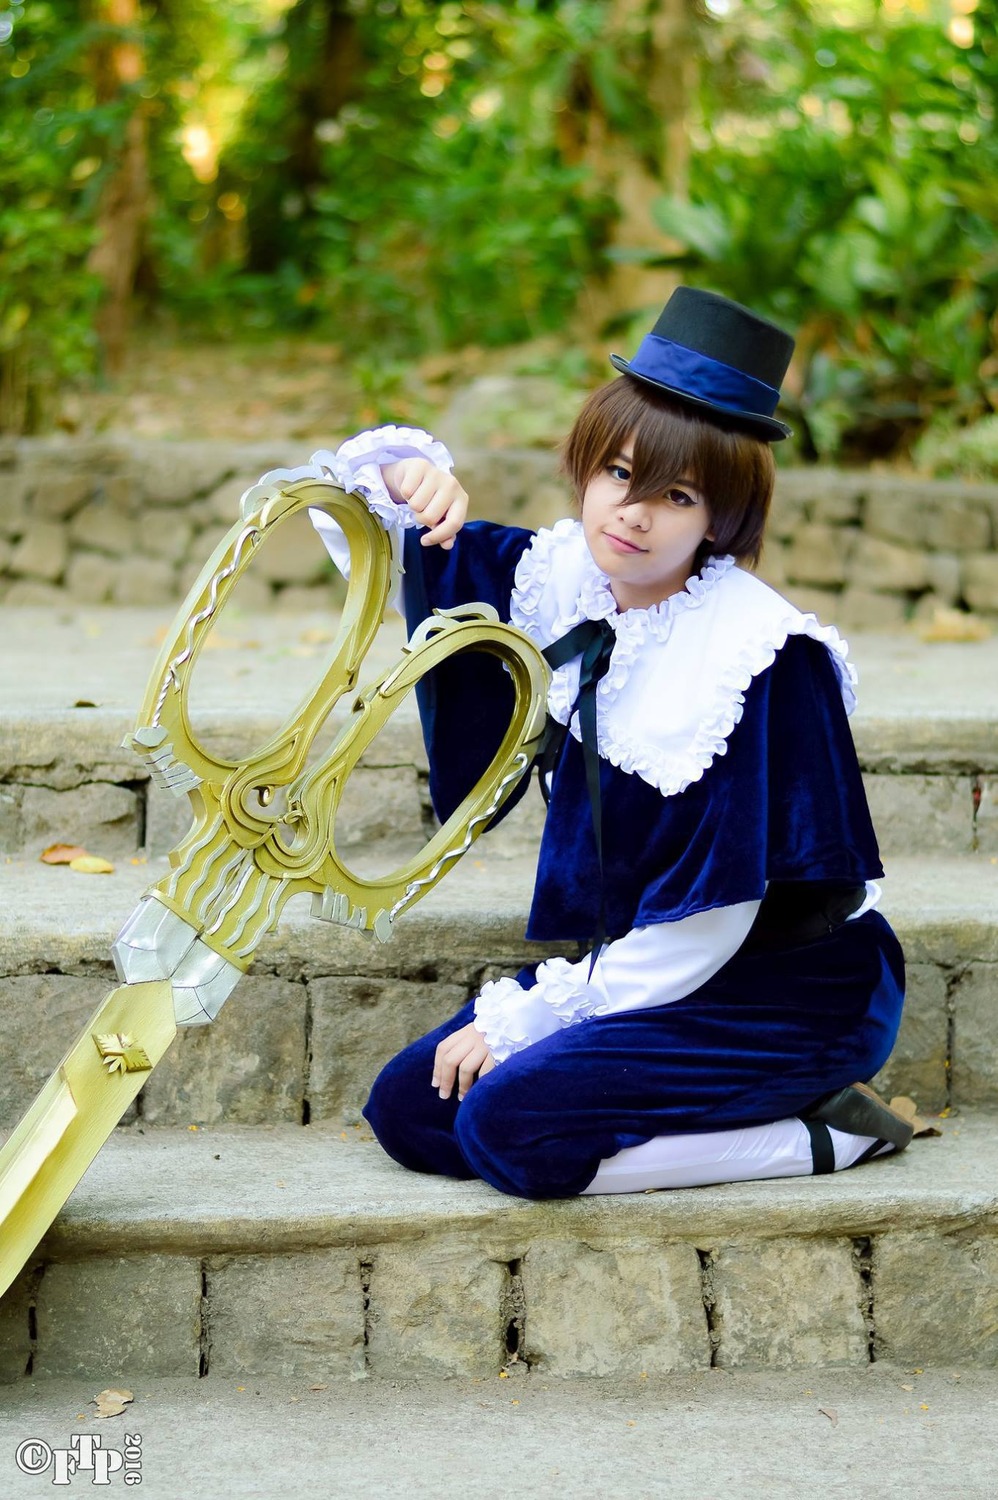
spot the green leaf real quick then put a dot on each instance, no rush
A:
(700, 227)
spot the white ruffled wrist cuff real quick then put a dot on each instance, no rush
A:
(356, 468)
(511, 1018)
(359, 461)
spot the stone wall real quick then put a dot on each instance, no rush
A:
(133, 522)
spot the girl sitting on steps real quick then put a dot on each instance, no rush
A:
(707, 832)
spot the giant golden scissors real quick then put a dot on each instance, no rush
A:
(263, 830)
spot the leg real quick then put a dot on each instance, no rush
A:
(412, 1123)
(758, 1043)
(783, 1149)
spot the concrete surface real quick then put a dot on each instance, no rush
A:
(240, 1190)
(260, 664)
(71, 682)
(324, 1007)
(307, 1252)
(884, 1430)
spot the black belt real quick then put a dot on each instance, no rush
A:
(796, 912)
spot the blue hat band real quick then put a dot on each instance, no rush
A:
(698, 375)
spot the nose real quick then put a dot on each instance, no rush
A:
(636, 514)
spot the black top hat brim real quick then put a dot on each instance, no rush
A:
(767, 428)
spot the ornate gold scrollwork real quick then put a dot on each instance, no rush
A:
(184, 948)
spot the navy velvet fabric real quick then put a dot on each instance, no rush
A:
(466, 703)
(767, 1035)
(785, 802)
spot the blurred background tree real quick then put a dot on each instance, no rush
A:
(406, 177)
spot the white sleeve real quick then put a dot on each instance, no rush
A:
(650, 966)
(356, 467)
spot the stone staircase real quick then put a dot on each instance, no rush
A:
(241, 1222)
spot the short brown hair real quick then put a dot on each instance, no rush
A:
(733, 470)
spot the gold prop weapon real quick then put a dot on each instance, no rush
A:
(193, 935)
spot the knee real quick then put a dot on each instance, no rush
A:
(498, 1143)
(394, 1109)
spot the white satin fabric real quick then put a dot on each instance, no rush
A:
(648, 966)
(675, 688)
(782, 1149)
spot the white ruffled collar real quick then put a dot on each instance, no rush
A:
(675, 688)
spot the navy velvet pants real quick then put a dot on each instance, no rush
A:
(762, 1040)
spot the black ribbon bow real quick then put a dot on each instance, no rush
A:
(594, 641)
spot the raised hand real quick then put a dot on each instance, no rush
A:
(435, 496)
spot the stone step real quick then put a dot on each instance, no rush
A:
(323, 1006)
(70, 686)
(770, 1435)
(306, 1253)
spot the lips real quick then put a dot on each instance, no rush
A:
(620, 545)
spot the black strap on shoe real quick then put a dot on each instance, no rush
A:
(594, 641)
(822, 1150)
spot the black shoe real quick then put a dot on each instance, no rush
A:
(857, 1110)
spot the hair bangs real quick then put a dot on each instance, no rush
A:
(733, 470)
(667, 450)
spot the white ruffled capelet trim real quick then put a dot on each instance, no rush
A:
(676, 684)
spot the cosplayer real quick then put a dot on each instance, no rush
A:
(707, 837)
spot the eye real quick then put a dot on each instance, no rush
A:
(681, 497)
(619, 472)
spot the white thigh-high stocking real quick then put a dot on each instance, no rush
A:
(782, 1149)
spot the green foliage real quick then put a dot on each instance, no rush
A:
(969, 452)
(843, 170)
(409, 175)
(51, 144)
(420, 201)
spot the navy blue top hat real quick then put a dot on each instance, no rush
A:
(717, 356)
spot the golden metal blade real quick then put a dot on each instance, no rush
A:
(189, 941)
(73, 1116)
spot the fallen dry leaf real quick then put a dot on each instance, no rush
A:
(830, 1413)
(91, 864)
(112, 1402)
(909, 1109)
(907, 1387)
(61, 854)
(318, 1388)
(315, 636)
(954, 625)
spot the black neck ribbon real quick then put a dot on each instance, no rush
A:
(594, 641)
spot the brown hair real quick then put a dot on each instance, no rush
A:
(733, 470)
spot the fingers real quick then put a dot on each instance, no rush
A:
(444, 1072)
(436, 498)
(448, 527)
(459, 1059)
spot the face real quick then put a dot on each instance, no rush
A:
(646, 548)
